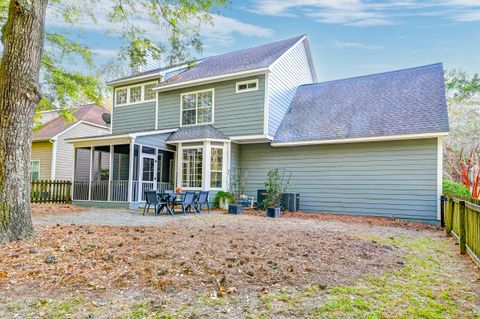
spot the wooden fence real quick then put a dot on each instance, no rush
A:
(51, 192)
(462, 220)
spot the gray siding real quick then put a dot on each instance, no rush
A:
(133, 118)
(391, 179)
(234, 156)
(234, 113)
(290, 72)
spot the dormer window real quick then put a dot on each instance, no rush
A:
(247, 86)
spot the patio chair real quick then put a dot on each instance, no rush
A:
(202, 199)
(187, 202)
(151, 198)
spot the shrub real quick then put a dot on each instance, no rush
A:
(225, 196)
(455, 189)
(275, 185)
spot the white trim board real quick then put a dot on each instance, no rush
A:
(211, 79)
(362, 139)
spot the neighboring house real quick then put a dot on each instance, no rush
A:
(368, 145)
(52, 157)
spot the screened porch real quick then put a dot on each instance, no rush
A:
(121, 173)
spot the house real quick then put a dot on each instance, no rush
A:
(52, 157)
(368, 145)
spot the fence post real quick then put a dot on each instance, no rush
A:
(443, 200)
(449, 220)
(462, 231)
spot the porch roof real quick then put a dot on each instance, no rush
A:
(195, 133)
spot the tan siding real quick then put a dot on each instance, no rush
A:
(42, 151)
(65, 151)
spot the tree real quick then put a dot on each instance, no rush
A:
(465, 167)
(463, 97)
(32, 78)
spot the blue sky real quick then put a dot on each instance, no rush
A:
(347, 37)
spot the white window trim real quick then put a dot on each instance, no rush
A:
(31, 169)
(246, 82)
(196, 92)
(202, 147)
(130, 94)
(142, 94)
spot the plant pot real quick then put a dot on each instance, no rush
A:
(273, 212)
(235, 209)
(223, 203)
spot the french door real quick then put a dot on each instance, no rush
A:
(148, 170)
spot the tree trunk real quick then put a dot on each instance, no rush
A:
(22, 38)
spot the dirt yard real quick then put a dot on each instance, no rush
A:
(249, 266)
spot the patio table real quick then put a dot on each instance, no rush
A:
(166, 198)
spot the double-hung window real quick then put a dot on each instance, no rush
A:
(34, 170)
(149, 92)
(197, 107)
(192, 167)
(216, 167)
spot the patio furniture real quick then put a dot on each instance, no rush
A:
(187, 202)
(202, 199)
(151, 198)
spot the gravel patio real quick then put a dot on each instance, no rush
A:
(98, 263)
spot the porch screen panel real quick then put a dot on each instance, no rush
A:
(192, 167)
(82, 174)
(121, 164)
(100, 173)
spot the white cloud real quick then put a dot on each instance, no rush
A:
(362, 13)
(223, 30)
(106, 53)
(355, 45)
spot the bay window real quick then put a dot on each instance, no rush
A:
(216, 167)
(192, 167)
(197, 107)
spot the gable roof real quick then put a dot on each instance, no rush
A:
(197, 132)
(409, 101)
(90, 113)
(251, 59)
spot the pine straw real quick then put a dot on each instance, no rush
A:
(214, 254)
(54, 209)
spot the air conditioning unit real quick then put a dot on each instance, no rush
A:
(261, 195)
(291, 202)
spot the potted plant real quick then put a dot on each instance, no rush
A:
(223, 199)
(275, 185)
(237, 187)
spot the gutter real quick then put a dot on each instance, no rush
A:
(362, 139)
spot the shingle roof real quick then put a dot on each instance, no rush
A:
(196, 132)
(408, 101)
(237, 61)
(89, 113)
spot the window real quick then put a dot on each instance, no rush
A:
(120, 96)
(247, 86)
(192, 167)
(216, 167)
(135, 94)
(197, 108)
(149, 92)
(34, 170)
